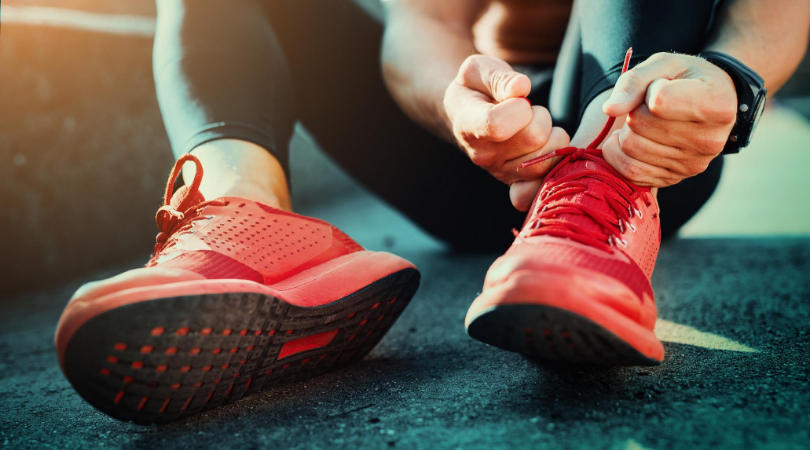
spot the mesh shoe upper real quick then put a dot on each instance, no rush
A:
(589, 222)
(232, 237)
(238, 238)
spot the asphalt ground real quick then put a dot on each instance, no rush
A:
(735, 315)
(733, 296)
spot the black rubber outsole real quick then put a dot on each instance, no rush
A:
(161, 360)
(539, 331)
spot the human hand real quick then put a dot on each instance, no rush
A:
(498, 128)
(681, 110)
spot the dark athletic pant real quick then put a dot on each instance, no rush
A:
(250, 69)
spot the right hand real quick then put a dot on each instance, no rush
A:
(498, 128)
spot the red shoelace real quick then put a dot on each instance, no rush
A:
(555, 195)
(171, 220)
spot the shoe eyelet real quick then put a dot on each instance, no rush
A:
(631, 226)
(639, 213)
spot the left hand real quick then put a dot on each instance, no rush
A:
(681, 110)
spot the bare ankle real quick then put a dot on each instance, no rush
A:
(240, 169)
(593, 119)
(249, 191)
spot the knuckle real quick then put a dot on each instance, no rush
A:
(658, 101)
(482, 158)
(448, 104)
(560, 136)
(637, 119)
(469, 68)
(725, 110)
(496, 130)
(659, 57)
(717, 143)
(537, 136)
(629, 144)
(710, 143)
(499, 79)
(633, 78)
(631, 170)
(691, 167)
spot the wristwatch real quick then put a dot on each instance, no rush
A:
(750, 98)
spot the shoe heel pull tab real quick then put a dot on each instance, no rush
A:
(603, 134)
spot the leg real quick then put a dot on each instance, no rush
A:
(553, 295)
(236, 291)
(232, 108)
(607, 29)
(356, 122)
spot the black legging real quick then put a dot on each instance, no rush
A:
(249, 69)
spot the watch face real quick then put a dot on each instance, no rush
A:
(758, 108)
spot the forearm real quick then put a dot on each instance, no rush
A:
(420, 58)
(768, 36)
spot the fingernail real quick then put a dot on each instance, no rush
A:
(616, 98)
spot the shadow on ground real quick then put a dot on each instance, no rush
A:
(428, 385)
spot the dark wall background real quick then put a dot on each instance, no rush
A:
(83, 152)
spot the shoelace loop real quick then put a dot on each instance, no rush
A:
(172, 221)
(620, 197)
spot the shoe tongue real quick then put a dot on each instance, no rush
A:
(590, 201)
(182, 195)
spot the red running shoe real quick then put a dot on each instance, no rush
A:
(237, 297)
(575, 285)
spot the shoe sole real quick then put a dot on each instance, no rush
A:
(540, 331)
(164, 359)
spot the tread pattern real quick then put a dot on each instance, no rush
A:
(161, 360)
(540, 331)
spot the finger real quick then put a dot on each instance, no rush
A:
(556, 140)
(531, 138)
(493, 77)
(631, 88)
(522, 193)
(694, 137)
(638, 172)
(690, 100)
(534, 136)
(474, 115)
(642, 149)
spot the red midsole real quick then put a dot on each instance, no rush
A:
(317, 286)
(551, 289)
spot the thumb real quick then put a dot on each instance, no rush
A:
(493, 77)
(628, 94)
(631, 88)
(506, 84)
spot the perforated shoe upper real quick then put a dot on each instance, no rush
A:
(239, 238)
(232, 237)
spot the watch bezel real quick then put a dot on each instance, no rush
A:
(757, 110)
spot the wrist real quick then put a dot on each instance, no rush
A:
(422, 100)
(750, 90)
